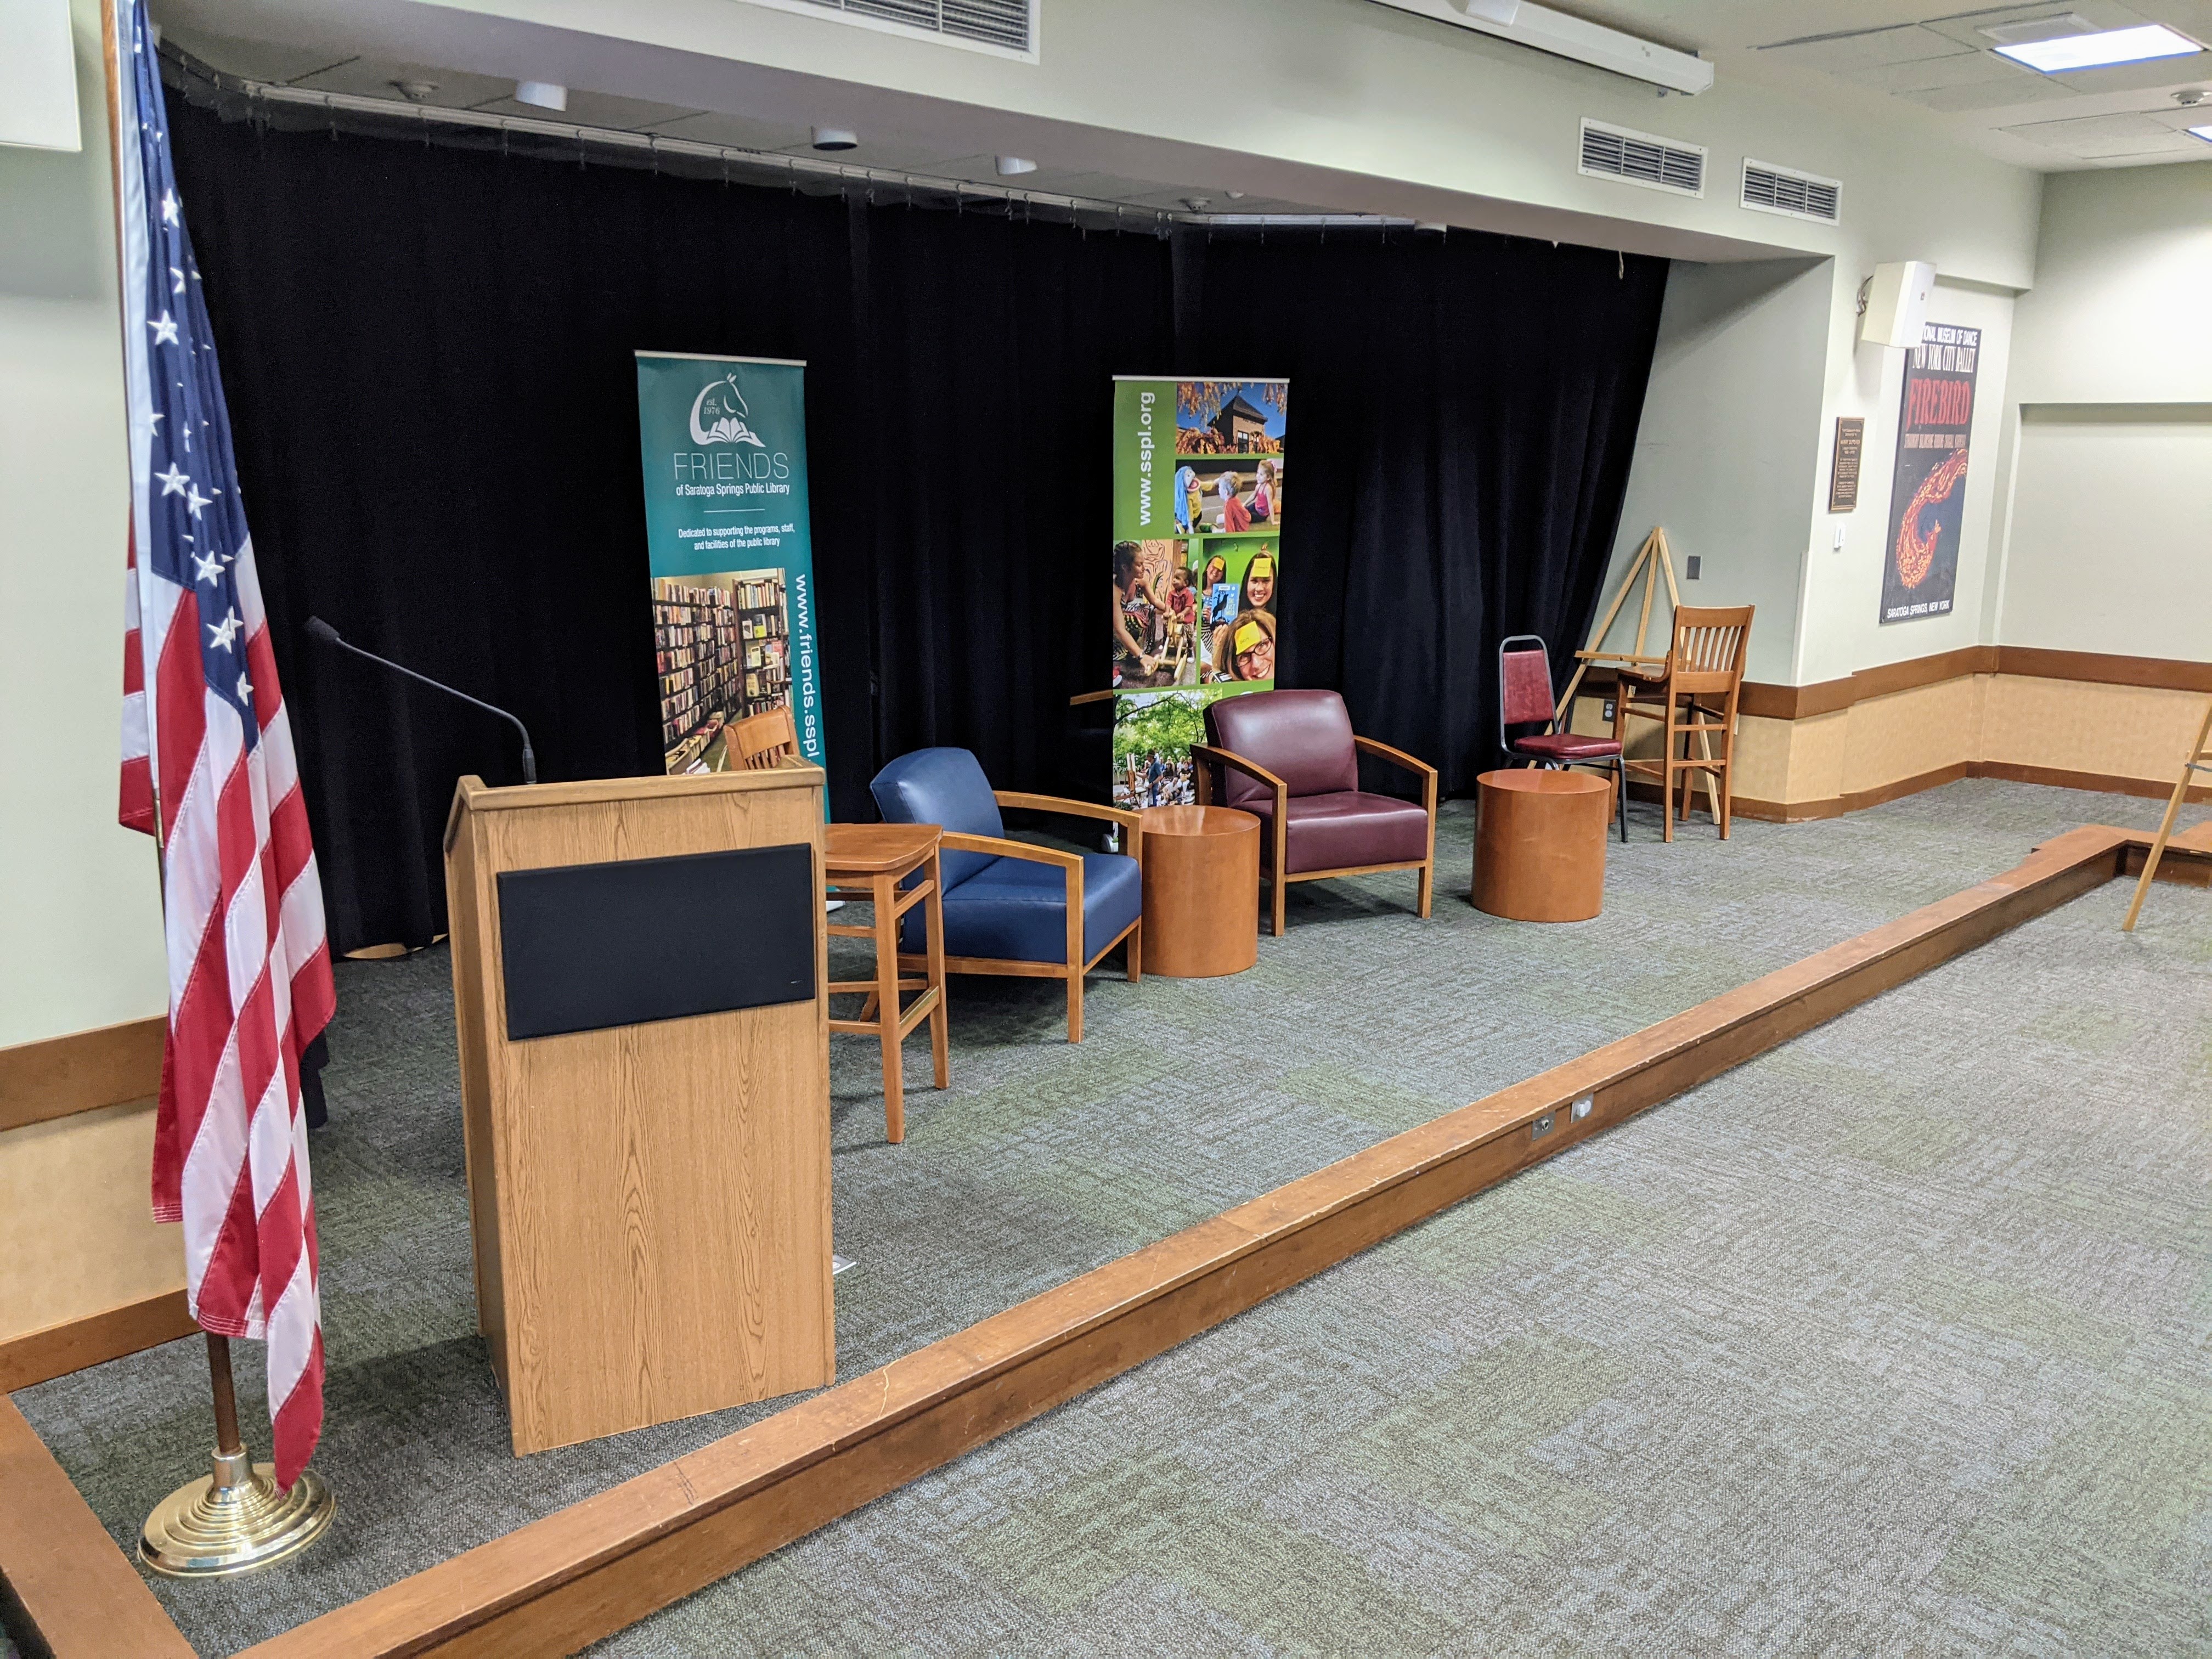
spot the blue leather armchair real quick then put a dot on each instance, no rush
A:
(1011, 906)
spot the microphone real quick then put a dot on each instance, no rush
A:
(319, 629)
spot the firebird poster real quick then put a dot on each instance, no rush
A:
(1927, 495)
(1198, 517)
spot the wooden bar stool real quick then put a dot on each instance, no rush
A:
(868, 861)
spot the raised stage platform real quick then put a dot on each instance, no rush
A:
(1040, 1163)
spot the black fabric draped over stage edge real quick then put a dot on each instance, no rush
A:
(427, 357)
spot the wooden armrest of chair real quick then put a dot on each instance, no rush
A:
(1079, 809)
(1395, 756)
(1419, 768)
(999, 847)
(1250, 769)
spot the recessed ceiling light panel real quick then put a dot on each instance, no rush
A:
(2102, 49)
(2205, 133)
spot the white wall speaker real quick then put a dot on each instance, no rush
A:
(1896, 303)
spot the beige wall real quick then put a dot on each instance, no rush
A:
(2112, 532)
(2135, 733)
(80, 915)
(80, 920)
(76, 1232)
(2120, 311)
(1840, 629)
(2109, 539)
(1724, 457)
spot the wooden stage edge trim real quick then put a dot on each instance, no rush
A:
(65, 1589)
(558, 1584)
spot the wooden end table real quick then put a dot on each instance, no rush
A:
(868, 861)
(1201, 891)
(1540, 845)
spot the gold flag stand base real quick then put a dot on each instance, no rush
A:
(233, 1520)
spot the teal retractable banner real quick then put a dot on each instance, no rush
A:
(731, 558)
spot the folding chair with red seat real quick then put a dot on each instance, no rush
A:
(1524, 698)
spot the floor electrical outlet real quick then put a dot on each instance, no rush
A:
(1582, 1108)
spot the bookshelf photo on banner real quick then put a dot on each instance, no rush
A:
(731, 555)
(1198, 515)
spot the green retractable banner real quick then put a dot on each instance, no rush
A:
(1198, 514)
(732, 559)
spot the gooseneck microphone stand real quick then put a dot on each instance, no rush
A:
(318, 628)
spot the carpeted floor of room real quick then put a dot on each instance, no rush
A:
(1892, 1341)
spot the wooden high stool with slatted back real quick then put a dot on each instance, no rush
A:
(1705, 665)
(868, 861)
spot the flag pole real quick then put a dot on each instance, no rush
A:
(234, 1519)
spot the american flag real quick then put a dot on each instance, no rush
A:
(208, 768)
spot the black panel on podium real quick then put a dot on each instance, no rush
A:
(587, 946)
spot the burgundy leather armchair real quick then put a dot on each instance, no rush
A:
(1291, 758)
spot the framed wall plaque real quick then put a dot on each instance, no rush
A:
(1843, 464)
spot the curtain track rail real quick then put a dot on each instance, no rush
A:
(202, 83)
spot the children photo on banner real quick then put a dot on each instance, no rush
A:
(1927, 494)
(1199, 472)
(731, 556)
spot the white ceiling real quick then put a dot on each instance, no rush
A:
(280, 64)
(1875, 55)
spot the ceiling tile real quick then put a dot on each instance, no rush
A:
(735, 131)
(1989, 95)
(2156, 74)
(1965, 69)
(590, 109)
(253, 60)
(2098, 14)
(2100, 137)
(369, 77)
(1908, 45)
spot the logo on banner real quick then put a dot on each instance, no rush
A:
(718, 415)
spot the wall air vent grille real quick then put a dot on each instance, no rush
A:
(1008, 25)
(1784, 190)
(1638, 158)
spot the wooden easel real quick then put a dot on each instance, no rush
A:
(1653, 560)
(2199, 760)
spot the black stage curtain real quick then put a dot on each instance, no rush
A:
(428, 356)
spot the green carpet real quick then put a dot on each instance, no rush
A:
(1892, 1342)
(1377, 1466)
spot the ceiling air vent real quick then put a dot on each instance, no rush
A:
(1771, 188)
(1001, 25)
(1638, 158)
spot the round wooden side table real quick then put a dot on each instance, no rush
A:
(1540, 845)
(1201, 891)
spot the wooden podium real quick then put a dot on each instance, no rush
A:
(650, 1199)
